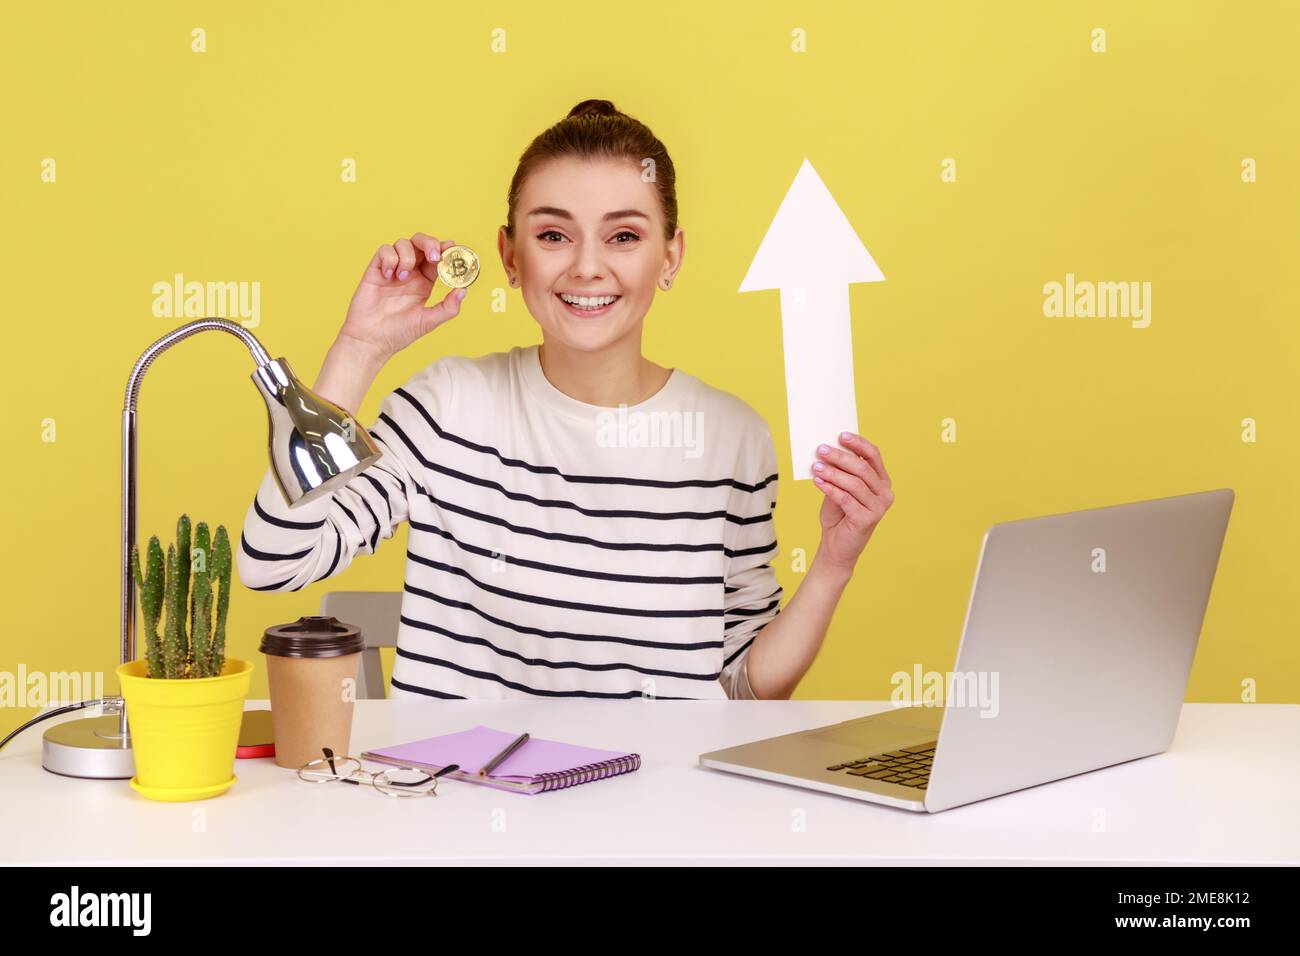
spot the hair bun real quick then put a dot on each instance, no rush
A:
(594, 108)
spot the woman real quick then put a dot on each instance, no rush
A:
(583, 521)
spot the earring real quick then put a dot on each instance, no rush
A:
(667, 283)
(512, 280)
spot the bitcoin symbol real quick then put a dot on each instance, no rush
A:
(458, 267)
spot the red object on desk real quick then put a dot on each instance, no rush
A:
(255, 736)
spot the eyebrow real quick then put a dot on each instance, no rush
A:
(565, 214)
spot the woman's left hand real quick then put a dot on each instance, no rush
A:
(858, 493)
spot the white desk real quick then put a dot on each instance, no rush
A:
(1228, 791)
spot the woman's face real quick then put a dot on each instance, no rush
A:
(590, 229)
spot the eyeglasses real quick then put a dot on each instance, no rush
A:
(392, 782)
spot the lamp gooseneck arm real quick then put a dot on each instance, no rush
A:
(184, 332)
(129, 462)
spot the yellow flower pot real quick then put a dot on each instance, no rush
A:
(184, 732)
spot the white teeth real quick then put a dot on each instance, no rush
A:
(588, 302)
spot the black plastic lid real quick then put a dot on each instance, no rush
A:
(312, 637)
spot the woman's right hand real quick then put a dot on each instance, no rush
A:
(387, 312)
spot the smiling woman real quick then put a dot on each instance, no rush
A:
(545, 559)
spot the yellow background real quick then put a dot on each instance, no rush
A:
(1123, 165)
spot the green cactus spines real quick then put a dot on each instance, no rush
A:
(221, 572)
(144, 610)
(151, 600)
(201, 606)
(183, 547)
(154, 587)
(173, 647)
(184, 553)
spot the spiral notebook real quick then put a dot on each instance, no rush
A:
(539, 765)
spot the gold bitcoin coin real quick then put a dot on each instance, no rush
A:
(458, 267)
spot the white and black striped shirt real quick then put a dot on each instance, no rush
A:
(555, 549)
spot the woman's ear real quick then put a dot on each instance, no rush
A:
(673, 255)
(506, 249)
(676, 252)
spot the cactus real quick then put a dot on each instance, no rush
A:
(201, 606)
(221, 573)
(190, 645)
(151, 598)
(184, 554)
(173, 644)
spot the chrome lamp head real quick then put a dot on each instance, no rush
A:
(315, 445)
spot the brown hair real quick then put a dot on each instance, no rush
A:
(595, 129)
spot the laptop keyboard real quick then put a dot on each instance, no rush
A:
(908, 766)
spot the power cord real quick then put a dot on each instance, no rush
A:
(112, 706)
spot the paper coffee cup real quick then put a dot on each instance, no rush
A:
(311, 666)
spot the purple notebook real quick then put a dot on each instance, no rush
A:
(537, 766)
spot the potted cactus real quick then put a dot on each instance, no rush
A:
(184, 699)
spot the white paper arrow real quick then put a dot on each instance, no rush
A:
(811, 254)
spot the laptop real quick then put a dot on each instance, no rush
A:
(1075, 655)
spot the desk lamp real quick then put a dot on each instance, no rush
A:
(315, 448)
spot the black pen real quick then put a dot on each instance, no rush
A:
(495, 761)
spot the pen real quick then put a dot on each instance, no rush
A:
(495, 761)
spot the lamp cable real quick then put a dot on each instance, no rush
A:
(112, 705)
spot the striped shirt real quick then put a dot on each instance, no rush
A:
(555, 548)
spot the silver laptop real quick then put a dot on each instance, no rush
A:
(1075, 655)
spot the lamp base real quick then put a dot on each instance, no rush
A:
(91, 747)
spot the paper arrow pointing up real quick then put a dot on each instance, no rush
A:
(811, 254)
